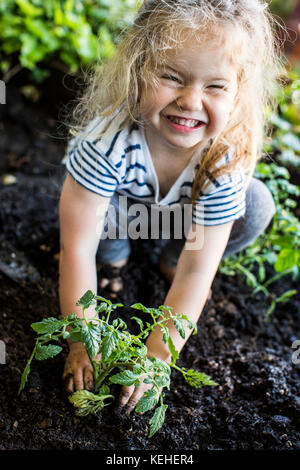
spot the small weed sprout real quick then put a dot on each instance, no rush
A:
(123, 356)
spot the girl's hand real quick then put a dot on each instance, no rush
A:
(130, 396)
(78, 371)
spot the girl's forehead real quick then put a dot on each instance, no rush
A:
(217, 43)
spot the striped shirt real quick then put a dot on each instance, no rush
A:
(120, 161)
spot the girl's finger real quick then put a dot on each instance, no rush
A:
(68, 382)
(125, 394)
(139, 392)
(88, 378)
(78, 380)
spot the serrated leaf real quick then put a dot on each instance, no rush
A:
(157, 419)
(104, 390)
(173, 351)
(165, 333)
(24, 376)
(160, 364)
(148, 380)
(101, 308)
(75, 335)
(126, 377)
(90, 337)
(109, 344)
(141, 352)
(190, 323)
(87, 402)
(147, 402)
(179, 325)
(114, 306)
(46, 352)
(139, 322)
(48, 326)
(162, 380)
(87, 299)
(198, 379)
(139, 306)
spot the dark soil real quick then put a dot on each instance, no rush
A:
(256, 405)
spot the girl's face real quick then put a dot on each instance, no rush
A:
(195, 95)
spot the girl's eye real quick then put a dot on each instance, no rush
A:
(221, 87)
(171, 77)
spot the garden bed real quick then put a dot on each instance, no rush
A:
(257, 402)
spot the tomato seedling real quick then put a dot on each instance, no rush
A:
(121, 356)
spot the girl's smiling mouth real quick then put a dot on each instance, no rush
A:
(184, 125)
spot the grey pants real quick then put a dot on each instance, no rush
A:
(260, 209)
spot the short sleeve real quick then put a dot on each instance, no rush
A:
(223, 200)
(90, 167)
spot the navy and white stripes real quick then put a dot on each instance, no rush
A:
(120, 161)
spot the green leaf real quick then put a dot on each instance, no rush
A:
(139, 322)
(165, 332)
(291, 140)
(126, 377)
(286, 259)
(148, 380)
(162, 380)
(286, 296)
(160, 364)
(179, 325)
(197, 379)
(139, 306)
(90, 337)
(109, 344)
(147, 402)
(101, 308)
(191, 324)
(24, 376)
(46, 352)
(87, 299)
(26, 370)
(49, 325)
(87, 402)
(173, 351)
(75, 335)
(157, 419)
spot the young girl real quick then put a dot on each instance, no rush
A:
(175, 119)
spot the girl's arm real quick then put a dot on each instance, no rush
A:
(81, 215)
(195, 272)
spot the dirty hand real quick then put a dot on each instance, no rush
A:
(78, 372)
(130, 396)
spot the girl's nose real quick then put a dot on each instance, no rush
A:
(190, 99)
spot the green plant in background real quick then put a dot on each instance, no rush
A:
(118, 357)
(282, 8)
(285, 143)
(279, 247)
(68, 34)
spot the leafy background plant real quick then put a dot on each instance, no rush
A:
(279, 246)
(68, 34)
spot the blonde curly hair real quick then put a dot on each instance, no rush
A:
(157, 29)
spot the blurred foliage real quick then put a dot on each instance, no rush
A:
(282, 8)
(279, 247)
(65, 33)
(285, 142)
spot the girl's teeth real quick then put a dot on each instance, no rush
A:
(184, 122)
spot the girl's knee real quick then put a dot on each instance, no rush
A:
(260, 205)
